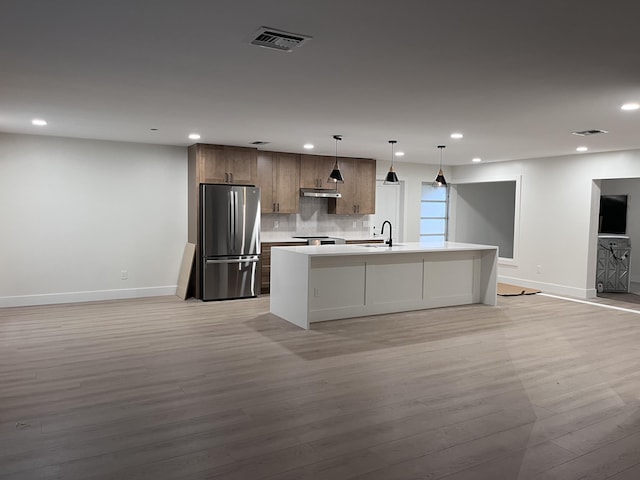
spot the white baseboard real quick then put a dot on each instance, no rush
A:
(91, 296)
(565, 290)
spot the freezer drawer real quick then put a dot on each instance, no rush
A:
(226, 278)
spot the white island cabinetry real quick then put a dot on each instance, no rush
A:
(312, 284)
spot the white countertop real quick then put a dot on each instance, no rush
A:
(383, 249)
(270, 238)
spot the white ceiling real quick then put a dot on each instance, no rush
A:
(514, 76)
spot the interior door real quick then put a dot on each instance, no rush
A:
(389, 207)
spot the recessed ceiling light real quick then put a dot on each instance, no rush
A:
(456, 135)
(194, 136)
(308, 146)
(39, 122)
(581, 149)
(630, 106)
(399, 154)
(476, 160)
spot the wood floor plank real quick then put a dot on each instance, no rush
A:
(158, 388)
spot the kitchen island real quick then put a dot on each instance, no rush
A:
(329, 282)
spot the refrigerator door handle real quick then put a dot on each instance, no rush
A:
(232, 220)
(252, 258)
(235, 219)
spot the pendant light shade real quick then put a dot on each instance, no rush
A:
(392, 178)
(335, 176)
(440, 181)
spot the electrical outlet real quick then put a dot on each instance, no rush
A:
(316, 292)
(538, 268)
(365, 224)
(355, 224)
(124, 275)
(276, 224)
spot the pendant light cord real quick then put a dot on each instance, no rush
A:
(337, 137)
(392, 144)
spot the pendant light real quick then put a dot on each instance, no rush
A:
(392, 178)
(440, 181)
(335, 176)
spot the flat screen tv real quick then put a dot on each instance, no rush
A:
(613, 214)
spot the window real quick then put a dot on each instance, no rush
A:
(433, 214)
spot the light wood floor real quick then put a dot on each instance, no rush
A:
(163, 389)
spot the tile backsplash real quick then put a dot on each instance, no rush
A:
(313, 219)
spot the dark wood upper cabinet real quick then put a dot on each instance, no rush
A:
(279, 182)
(358, 190)
(226, 164)
(315, 170)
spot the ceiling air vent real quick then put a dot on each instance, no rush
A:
(260, 142)
(277, 39)
(586, 133)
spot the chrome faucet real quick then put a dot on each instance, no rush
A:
(390, 241)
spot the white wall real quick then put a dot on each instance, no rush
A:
(558, 221)
(631, 188)
(75, 213)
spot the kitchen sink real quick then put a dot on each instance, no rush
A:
(380, 245)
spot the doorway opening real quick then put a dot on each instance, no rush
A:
(389, 206)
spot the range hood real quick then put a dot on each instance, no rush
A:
(319, 193)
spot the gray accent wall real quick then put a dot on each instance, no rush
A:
(485, 214)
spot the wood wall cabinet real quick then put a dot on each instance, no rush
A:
(225, 164)
(358, 190)
(315, 170)
(279, 182)
(265, 262)
(213, 164)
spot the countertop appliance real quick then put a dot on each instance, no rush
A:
(230, 243)
(614, 258)
(321, 240)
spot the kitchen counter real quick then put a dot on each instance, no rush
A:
(312, 284)
(271, 238)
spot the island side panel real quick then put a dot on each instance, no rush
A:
(489, 277)
(289, 297)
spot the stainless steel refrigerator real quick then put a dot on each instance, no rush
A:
(230, 241)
